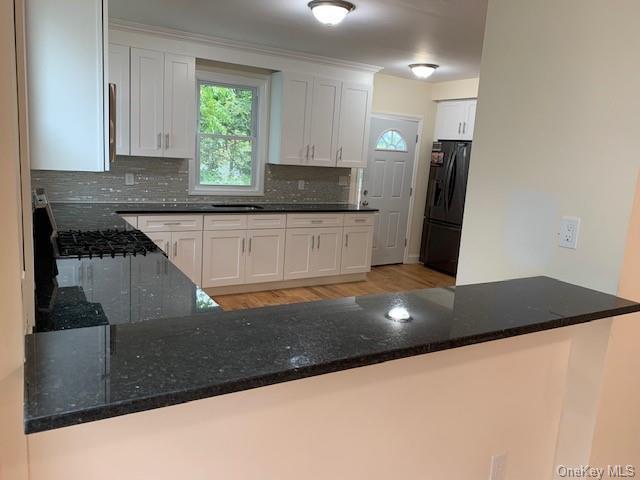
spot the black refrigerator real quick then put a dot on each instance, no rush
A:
(445, 205)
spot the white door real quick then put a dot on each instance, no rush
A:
(469, 123)
(119, 63)
(324, 123)
(265, 256)
(223, 258)
(387, 185)
(353, 132)
(162, 240)
(328, 252)
(147, 92)
(296, 118)
(450, 119)
(179, 105)
(356, 249)
(186, 254)
(298, 260)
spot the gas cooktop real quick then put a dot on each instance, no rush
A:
(103, 243)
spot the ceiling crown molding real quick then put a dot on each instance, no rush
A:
(127, 26)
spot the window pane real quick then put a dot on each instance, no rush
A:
(226, 110)
(392, 140)
(225, 162)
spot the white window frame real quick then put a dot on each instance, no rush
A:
(261, 85)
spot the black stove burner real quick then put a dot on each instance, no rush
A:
(103, 243)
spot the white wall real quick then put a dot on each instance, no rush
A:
(556, 134)
(13, 451)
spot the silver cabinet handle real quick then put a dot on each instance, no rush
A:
(316, 221)
(243, 245)
(464, 127)
(175, 249)
(307, 155)
(360, 220)
(346, 241)
(172, 223)
(459, 126)
(340, 154)
(166, 247)
(159, 141)
(250, 238)
(318, 242)
(313, 242)
(313, 152)
(166, 140)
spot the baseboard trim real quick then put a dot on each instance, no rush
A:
(303, 282)
(413, 258)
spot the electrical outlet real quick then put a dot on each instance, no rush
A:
(498, 467)
(129, 179)
(301, 184)
(569, 231)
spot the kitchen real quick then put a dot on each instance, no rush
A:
(210, 231)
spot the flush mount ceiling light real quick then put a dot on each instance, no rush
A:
(423, 70)
(330, 12)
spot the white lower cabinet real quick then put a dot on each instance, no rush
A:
(184, 249)
(356, 249)
(312, 252)
(264, 256)
(223, 258)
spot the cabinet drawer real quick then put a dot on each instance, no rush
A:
(358, 219)
(225, 222)
(267, 221)
(295, 220)
(169, 223)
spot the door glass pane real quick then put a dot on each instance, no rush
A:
(392, 141)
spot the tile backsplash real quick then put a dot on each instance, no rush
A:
(160, 180)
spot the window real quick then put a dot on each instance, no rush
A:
(391, 141)
(231, 131)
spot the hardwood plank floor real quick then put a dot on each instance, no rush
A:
(384, 279)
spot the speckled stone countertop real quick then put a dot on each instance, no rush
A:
(142, 208)
(87, 374)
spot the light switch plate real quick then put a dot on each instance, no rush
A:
(129, 179)
(569, 231)
(498, 467)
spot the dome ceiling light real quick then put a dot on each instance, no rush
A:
(423, 70)
(330, 12)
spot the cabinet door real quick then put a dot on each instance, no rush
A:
(298, 257)
(297, 98)
(470, 120)
(324, 123)
(265, 256)
(161, 239)
(179, 105)
(353, 136)
(450, 119)
(328, 250)
(223, 258)
(147, 92)
(119, 63)
(356, 249)
(186, 254)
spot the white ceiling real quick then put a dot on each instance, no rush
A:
(388, 33)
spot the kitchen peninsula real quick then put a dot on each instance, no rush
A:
(86, 374)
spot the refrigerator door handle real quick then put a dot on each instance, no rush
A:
(447, 194)
(452, 177)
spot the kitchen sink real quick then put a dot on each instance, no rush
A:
(227, 206)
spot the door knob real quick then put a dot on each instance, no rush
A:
(365, 203)
(365, 192)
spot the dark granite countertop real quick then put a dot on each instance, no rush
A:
(142, 208)
(87, 374)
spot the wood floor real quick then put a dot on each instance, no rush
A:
(388, 278)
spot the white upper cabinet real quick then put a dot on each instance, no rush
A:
(162, 104)
(324, 123)
(353, 136)
(67, 87)
(318, 121)
(147, 90)
(119, 75)
(455, 120)
(179, 106)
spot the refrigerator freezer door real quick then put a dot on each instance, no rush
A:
(441, 246)
(457, 184)
(437, 206)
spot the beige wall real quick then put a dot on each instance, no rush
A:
(13, 460)
(441, 415)
(556, 134)
(410, 97)
(455, 89)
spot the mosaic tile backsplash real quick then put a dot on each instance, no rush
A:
(160, 180)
